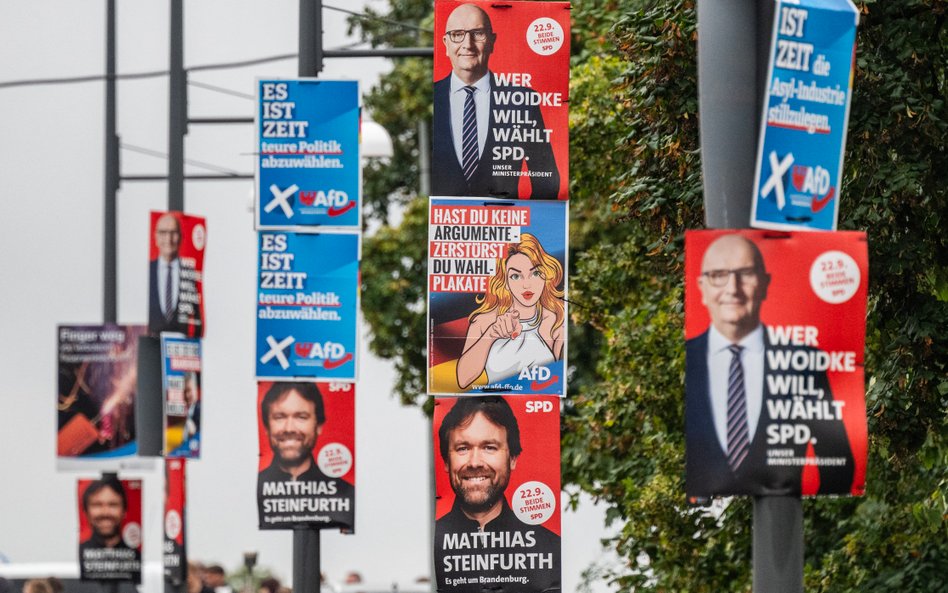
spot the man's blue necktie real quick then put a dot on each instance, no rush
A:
(738, 441)
(469, 135)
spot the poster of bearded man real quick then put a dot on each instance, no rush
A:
(307, 455)
(497, 484)
(110, 529)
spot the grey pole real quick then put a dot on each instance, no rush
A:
(311, 37)
(177, 127)
(307, 568)
(778, 544)
(178, 109)
(728, 100)
(733, 47)
(109, 273)
(306, 565)
(424, 158)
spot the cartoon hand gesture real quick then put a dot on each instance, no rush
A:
(505, 326)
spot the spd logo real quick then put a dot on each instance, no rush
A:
(332, 354)
(814, 181)
(539, 406)
(335, 201)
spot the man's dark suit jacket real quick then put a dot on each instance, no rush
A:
(157, 322)
(195, 413)
(447, 178)
(707, 472)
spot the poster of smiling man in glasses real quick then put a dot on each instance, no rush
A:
(501, 75)
(775, 328)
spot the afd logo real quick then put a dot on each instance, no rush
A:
(332, 354)
(540, 377)
(335, 201)
(814, 181)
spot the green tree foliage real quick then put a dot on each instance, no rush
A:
(394, 255)
(399, 102)
(635, 188)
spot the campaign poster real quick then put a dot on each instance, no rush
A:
(497, 481)
(110, 529)
(307, 306)
(308, 166)
(181, 385)
(176, 274)
(799, 169)
(501, 100)
(97, 384)
(175, 558)
(775, 334)
(496, 297)
(307, 455)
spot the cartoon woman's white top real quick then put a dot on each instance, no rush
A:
(507, 357)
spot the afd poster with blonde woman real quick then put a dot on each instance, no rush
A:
(496, 297)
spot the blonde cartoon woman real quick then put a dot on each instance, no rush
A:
(519, 323)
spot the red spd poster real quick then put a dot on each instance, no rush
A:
(775, 333)
(176, 274)
(501, 91)
(307, 455)
(175, 560)
(497, 480)
(110, 529)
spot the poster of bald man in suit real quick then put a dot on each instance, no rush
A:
(176, 274)
(775, 329)
(501, 94)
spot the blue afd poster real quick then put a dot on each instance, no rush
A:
(307, 305)
(181, 385)
(806, 110)
(308, 170)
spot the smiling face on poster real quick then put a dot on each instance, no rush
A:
(497, 476)
(110, 529)
(307, 455)
(176, 274)
(496, 297)
(307, 306)
(501, 92)
(775, 327)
